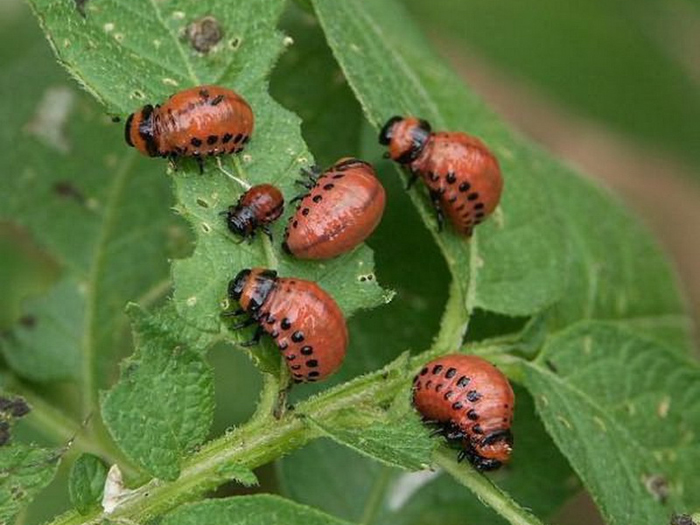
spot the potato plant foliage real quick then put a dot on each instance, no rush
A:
(562, 289)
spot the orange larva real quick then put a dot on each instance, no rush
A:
(197, 122)
(257, 208)
(305, 322)
(472, 403)
(342, 208)
(462, 175)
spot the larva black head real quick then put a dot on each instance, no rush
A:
(406, 138)
(139, 131)
(493, 450)
(236, 285)
(388, 130)
(251, 288)
(240, 220)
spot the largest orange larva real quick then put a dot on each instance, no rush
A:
(472, 402)
(463, 176)
(342, 208)
(196, 122)
(305, 322)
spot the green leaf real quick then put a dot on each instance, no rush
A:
(113, 51)
(616, 271)
(396, 440)
(24, 471)
(162, 406)
(515, 263)
(371, 493)
(86, 482)
(69, 182)
(557, 238)
(420, 282)
(625, 413)
(311, 476)
(263, 509)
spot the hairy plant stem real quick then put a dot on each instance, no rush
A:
(265, 439)
(484, 489)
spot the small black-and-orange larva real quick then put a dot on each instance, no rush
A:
(472, 403)
(306, 323)
(258, 207)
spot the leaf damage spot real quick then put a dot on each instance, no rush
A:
(178, 15)
(170, 82)
(234, 43)
(247, 158)
(108, 27)
(564, 422)
(28, 321)
(288, 41)
(204, 34)
(67, 190)
(49, 120)
(206, 228)
(364, 278)
(191, 301)
(138, 94)
(119, 37)
(202, 202)
(664, 406)
(156, 43)
(657, 485)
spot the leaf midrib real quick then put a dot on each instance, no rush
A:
(89, 386)
(468, 293)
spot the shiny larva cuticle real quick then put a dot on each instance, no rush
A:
(462, 175)
(305, 322)
(196, 122)
(342, 208)
(256, 209)
(472, 403)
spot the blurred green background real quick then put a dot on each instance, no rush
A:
(612, 86)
